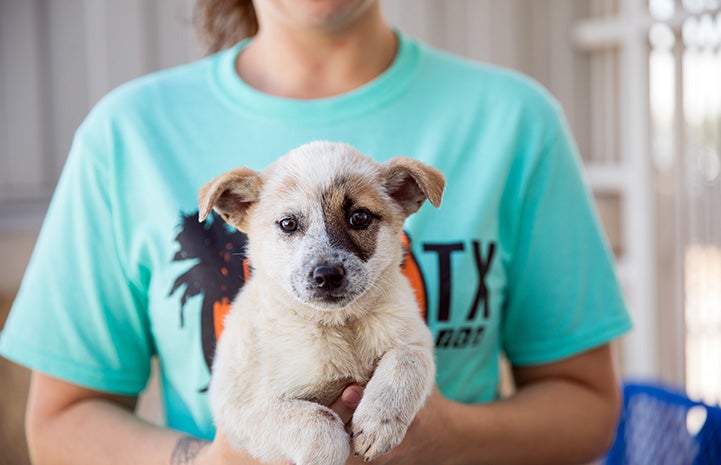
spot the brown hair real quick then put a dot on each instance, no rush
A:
(222, 23)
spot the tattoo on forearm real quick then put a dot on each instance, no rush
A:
(186, 449)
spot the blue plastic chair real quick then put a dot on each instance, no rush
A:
(660, 426)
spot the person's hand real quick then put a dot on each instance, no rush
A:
(428, 440)
(425, 440)
(219, 452)
(347, 402)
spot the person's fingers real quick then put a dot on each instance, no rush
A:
(352, 395)
(346, 403)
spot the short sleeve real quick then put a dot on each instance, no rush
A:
(78, 315)
(564, 297)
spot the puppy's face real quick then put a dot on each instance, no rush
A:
(324, 222)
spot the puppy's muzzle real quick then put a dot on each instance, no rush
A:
(328, 277)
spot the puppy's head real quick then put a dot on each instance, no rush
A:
(324, 221)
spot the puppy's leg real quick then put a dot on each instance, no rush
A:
(299, 431)
(313, 434)
(396, 392)
(271, 428)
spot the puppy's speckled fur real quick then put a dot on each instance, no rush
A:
(293, 341)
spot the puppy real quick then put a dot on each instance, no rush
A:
(326, 305)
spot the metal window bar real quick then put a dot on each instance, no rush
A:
(614, 37)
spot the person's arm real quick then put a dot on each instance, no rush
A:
(68, 424)
(562, 413)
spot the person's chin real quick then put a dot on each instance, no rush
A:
(335, 15)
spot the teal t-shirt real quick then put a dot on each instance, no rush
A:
(514, 262)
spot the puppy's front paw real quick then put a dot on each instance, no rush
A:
(376, 431)
(321, 440)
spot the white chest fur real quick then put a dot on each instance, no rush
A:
(315, 362)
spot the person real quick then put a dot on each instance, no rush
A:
(513, 263)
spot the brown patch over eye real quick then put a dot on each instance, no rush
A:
(352, 213)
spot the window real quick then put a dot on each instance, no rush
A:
(685, 75)
(656, 81)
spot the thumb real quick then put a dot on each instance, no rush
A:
(347, 402)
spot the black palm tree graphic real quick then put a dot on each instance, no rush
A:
(220, 271)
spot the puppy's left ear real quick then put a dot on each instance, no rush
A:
(410, 182)
(231, 195)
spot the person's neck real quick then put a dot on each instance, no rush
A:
(312, 65)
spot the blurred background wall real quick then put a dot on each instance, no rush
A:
(639, 81)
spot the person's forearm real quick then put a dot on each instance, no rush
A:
(552, 422)
(98, 432)
(70, 425)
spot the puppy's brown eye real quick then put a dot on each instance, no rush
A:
(359, 219)
(288, 224)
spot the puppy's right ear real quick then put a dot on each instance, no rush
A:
(410, 182)
(230, 194)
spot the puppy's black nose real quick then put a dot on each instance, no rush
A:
(328, 276)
